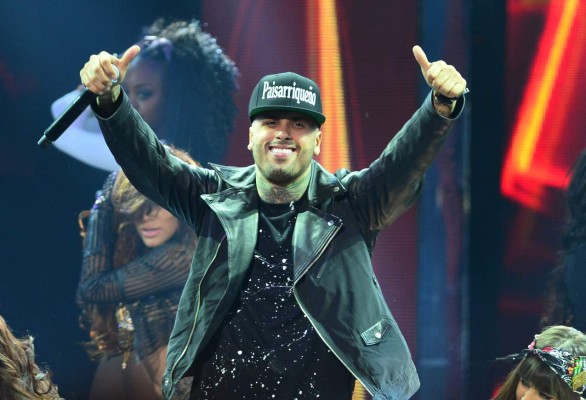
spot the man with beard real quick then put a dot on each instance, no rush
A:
(282, 301)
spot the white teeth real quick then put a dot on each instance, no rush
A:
(281, 151)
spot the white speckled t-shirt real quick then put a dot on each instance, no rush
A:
(267, 348)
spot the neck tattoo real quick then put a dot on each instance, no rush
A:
(274, 194)
(278, 195)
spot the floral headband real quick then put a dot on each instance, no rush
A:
(571, 369)
(151, 42)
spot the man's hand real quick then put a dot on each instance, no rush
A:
(98, 73)
(444, 79)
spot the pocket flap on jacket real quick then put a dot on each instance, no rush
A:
(376, 333)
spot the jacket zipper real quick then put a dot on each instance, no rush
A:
(329, 239)
(321, 271)
(196, 312)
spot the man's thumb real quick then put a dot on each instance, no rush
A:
(421, 58)
(129, 55)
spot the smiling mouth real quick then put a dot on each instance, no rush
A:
(281, 151)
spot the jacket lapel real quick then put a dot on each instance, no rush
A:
(237, 210)
(314, 230)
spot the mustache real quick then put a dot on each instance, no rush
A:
(286, 143)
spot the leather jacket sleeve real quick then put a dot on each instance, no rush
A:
(145, 160)
(390, 185)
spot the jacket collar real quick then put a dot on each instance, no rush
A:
(322, 184)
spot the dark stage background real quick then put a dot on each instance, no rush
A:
(449, 267)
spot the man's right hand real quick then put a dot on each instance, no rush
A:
(98, 73)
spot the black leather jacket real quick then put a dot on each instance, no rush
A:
(333, 240)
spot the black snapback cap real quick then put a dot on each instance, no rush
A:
(286, 91)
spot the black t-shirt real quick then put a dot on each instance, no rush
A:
(267, 348)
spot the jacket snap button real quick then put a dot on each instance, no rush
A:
(330, 223)
(378, 335)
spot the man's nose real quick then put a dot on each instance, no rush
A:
(283, 129)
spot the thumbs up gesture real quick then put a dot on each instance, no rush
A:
(103, 73)
(443, 78)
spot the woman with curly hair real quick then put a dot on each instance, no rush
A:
(136, 260)
(182, 83)
(20, 377)
(566, 294)
(552, 367)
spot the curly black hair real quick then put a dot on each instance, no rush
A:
(200, 84)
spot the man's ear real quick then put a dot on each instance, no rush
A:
(249, 146)
(316, 149)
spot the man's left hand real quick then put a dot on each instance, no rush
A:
(443, 78)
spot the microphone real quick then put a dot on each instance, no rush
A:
(70, 114)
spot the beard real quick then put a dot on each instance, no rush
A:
(278, 175)
(283, 172)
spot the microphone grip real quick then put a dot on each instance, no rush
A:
(67, 117)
